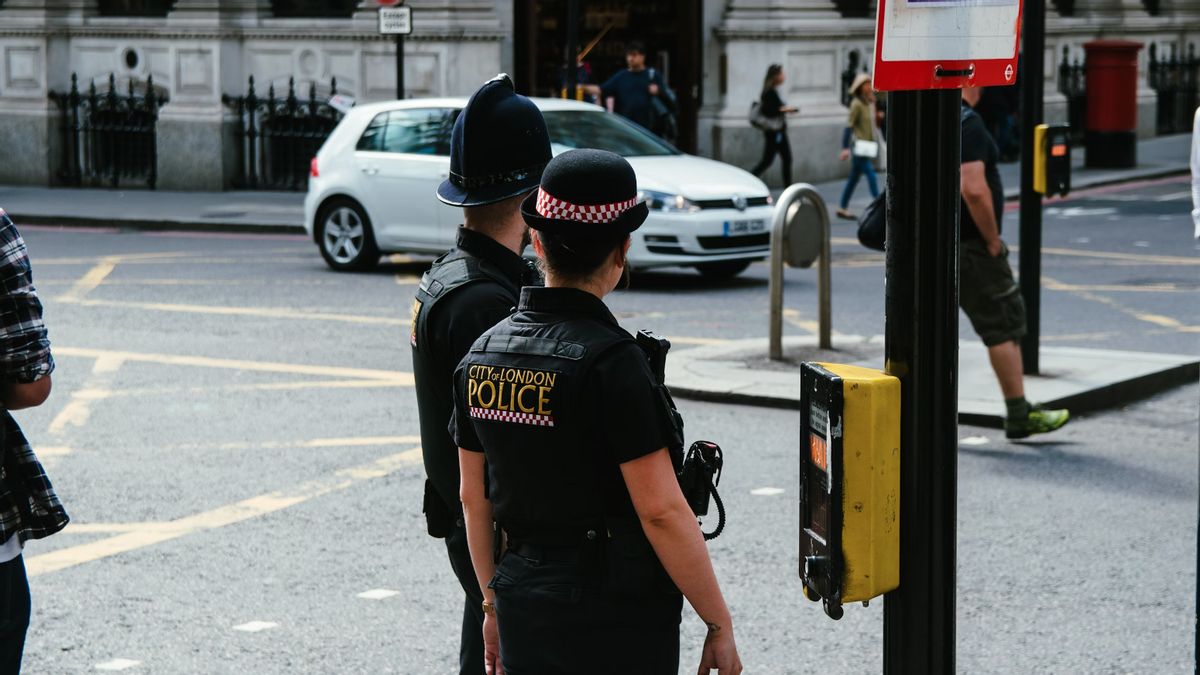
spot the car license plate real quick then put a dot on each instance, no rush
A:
(736, 227)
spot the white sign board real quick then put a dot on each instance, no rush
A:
(395, 20)
(935, 44)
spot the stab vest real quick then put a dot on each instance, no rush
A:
(524, 387)
(449, 273)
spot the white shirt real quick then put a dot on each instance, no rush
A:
(10, 549)
(1196, 172)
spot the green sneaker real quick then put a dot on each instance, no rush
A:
(1039, 421)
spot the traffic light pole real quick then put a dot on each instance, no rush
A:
(572, 49)
(399, 66)
(1033, 34)
(921, 349)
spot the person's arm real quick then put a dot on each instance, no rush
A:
(978, 197)
(21, 395)
(671, 527)
(477, 513)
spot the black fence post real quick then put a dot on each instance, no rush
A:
(252, 137)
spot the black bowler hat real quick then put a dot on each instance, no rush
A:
(498, 148)
(586, 192)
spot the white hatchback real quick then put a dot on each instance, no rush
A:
(371, 188)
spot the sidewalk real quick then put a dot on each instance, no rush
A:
(1082, 380)
(283, 212)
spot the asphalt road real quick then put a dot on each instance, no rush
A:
(234, 432)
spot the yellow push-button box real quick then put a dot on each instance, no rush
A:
(849, 484)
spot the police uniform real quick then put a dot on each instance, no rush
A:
(558, 396)
(465, 292)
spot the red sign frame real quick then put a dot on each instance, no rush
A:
(947, 74)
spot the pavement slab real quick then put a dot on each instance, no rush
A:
(1082, 380)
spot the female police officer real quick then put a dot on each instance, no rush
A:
(562, 403)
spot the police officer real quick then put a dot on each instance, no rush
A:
(498, 148)
(561, 402)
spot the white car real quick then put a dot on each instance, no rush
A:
(371, 188)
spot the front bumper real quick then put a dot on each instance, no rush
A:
(709, 235)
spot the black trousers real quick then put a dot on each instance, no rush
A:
(776, 142)
(470, 653)
(14, 614)
(557, 618)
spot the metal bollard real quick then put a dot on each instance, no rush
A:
(782, 252)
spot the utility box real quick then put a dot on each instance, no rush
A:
(1052, 159)
(849, 484)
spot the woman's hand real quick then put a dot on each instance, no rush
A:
(720, 652)
(491, 646)
(844, 154)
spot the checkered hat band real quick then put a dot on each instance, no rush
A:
(550, 206)
(512, 417)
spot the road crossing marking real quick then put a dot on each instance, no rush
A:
(78, 409)
(92, 279)
(221, 516)
(237, 364)
(974, 440)
(1156, 319)
(256, 626)
(1051, 284)
(378, 594)
(767, 491)
(792, 316)
(1139, 258)
(259, 312)
(118, 664)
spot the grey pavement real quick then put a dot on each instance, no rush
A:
(284, 212)
(1083, 380)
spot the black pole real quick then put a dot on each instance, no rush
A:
(1033, 34)
(921, 349)
(399, 66)
(572, 49)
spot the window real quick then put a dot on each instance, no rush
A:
(422, 131)
(313, 9)
(151, 8)
(602, 130)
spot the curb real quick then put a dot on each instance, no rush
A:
(156, 225)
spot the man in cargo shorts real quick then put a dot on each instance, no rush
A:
(987, 292)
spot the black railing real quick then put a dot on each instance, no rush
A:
(1175, 80)
(1072, 83)
(279, 137)
(109, 137)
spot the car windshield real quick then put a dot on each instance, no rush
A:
(571, 129)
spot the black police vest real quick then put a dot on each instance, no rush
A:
(454, 270)
(450, 272)
(524, 387)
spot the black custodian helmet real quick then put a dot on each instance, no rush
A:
(498, 148)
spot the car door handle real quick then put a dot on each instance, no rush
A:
(370, 170)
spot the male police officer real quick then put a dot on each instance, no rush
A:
(498, 149)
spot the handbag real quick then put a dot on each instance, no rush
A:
(761, 121)
(872, 224)
(869, 149)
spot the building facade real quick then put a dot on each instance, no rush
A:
(198, 57)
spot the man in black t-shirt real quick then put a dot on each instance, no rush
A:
(987, 292)
(633, 88)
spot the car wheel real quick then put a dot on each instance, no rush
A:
(723, 270)
(345, 237)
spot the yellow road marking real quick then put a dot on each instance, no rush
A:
(262, 386)
(235, 364)
(78, 409)
(1156, 319)
(792, 316)
(1078, 336)
(221, 516)
(696, 340)
(91, 280)
(1132, 257)
(407, 279)
(1117, 288)
(260, 312)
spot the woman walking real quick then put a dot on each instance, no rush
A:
(858, 142)
(772, 112)
(601, 546)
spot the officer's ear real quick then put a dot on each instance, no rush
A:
(622, 251)
(538, 249)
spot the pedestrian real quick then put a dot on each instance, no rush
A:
(29, 508)
(498, 148)
(1196, 173)
(774, 112)
(635, 89)
(858, 142)
(559, 403)
(987, 292)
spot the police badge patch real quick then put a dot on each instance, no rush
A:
(513, 395)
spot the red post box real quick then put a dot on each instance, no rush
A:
(1111, 129)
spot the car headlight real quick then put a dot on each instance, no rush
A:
(667, 202)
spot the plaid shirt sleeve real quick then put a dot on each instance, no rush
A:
(29, 508)
(24, 346)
